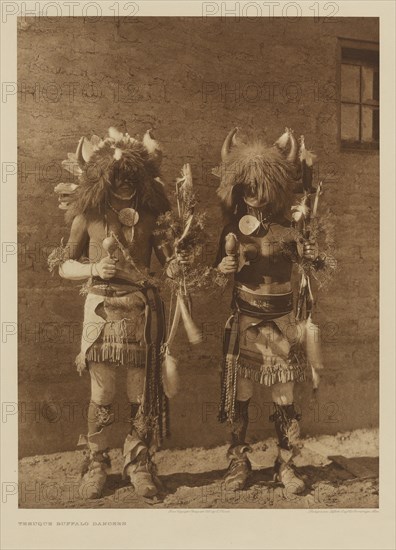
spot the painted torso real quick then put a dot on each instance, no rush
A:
(263, 264)
(140, 248)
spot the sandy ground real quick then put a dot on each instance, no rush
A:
(192, 478)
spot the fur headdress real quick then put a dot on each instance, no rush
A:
(268, 173)
(97, 161)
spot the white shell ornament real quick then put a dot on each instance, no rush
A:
(128, 217)
(248, 224)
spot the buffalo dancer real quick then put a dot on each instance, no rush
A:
(113, 214)
(261, 342)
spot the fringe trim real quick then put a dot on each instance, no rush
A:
(115, 332)
(269, 375)
(116, 352)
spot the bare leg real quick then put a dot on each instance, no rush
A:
(240, 425)
(103, 387)
(282, 394)
(100, 418)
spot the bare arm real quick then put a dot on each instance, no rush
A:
(73, 269)
(162, 252)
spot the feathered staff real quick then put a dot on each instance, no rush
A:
(303, 215)
(185, 209)
(185, 205)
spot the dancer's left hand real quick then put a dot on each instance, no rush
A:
(176, 264)
(309, 250)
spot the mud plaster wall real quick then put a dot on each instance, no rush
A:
(191, 80)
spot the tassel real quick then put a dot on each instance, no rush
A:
(170, 376)
(312, 343)
(310, 337)
(315, 378)
(193, 333)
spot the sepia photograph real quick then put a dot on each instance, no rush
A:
(215, 222)
(198, 260)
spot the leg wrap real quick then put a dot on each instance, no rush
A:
(287, 428)
(240, 424)
(99, 416)
(138, 423)
(135, 445)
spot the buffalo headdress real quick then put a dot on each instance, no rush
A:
(251, 168)
(98, 162)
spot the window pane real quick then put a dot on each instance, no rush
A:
(370, 124)
(350, 122)
(350, 83)
(370, 84)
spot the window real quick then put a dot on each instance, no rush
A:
(359, 97)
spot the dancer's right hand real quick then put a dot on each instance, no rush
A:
(229, 264)
(105, 268)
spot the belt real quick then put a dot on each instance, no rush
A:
(112, 287)
(259, 305)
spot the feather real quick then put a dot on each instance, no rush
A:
(115, 134)
(216, 171)
(283, 140)
(65, 192)
(117, 153)
(300, 211)
(150, 143)
(96, 141)
(306, 156)
(71, 165)
(186, 229)
(184, 184)
(316, 202)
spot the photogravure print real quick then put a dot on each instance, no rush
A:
(198, 261)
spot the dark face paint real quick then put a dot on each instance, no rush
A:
(253, 197)
(124, 183)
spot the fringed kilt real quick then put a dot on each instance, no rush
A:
(125, 325)
(121, 340)
(269, 351)
(262, 342)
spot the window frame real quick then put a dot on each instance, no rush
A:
(364, 45)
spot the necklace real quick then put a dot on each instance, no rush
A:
(126, 216)
(253, 220)
(121, 198)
